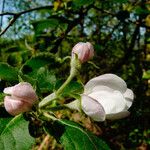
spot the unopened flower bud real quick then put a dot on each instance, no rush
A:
(21, 99)
(85, 51)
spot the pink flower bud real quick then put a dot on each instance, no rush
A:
(21, 99)
(85, 51)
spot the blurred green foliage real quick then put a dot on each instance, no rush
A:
(34, 49)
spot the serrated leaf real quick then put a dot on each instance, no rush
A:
(7, 72)
(40, 60)
(73, 137)
(15, 135)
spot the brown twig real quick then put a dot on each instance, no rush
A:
(71, 25)
(103, 11)
(45, 140)
(7, 13)
(9, 24)
(17, 15)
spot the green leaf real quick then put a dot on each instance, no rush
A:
(3, 123)
(141, 11)
(41, 60)
(46, 79)
(120, 1)
(45, 24)
(15, 135)
(13, 48)
(73, 137)
(80, 3)
(2, 95)
(146, 75)
(8, 73)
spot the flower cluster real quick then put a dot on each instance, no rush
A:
(104, 97)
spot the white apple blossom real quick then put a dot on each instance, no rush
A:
(85, 51)
(21, 98)
(106, 97)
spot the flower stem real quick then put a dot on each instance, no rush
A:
(59, 91)
(75, 66)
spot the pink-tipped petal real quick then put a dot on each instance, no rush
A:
(24, 90)
(92, 108)
(112, 102)
(85, 51)
(15, 107)
(90, 46)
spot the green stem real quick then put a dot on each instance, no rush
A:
(75, 66)
(49, 117)
(59, 91)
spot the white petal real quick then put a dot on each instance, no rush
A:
(8, 90)
(110, 80)
(74, 105)
(101, 88)
(112, 102)
(119, 115)
(92, 108)
(129, 96)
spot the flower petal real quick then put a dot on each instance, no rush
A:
(15, 107)
(112, 102)
(119, 115)
(101, 88)
(8, 90)
(22, 90)
(85, 51)
(92, 108)
(129, 96)
(110, 80)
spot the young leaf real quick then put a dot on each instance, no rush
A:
(7, 72)
(73, 137)
(15, 135)
(40, 60)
